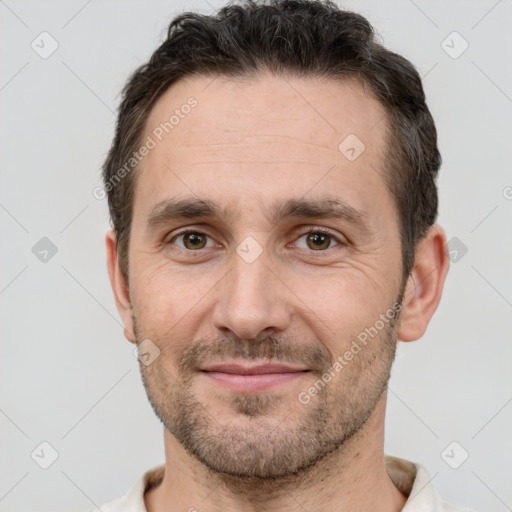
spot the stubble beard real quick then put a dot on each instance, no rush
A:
(259, 442)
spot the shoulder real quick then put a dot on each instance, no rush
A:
(414, 482)
(116, 505)
(133, 500)
(447, 507)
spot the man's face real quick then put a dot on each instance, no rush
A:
(256, 282)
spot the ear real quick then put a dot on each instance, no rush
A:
(119, 286)
(424, 285)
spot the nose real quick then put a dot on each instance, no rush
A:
(252, 299)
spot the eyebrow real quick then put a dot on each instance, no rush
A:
(174, 209)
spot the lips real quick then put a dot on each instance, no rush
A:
(250, 379)
(253, 370)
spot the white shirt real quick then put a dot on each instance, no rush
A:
(411, 478)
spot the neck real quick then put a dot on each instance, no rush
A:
(351, 478)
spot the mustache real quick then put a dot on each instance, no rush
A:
(315, 357)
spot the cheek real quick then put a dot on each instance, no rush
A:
(342, 298)
(339, 309)
(168, 301)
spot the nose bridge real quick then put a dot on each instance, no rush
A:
(251, 298)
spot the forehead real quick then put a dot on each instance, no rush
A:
(308, 109)
(262, 135)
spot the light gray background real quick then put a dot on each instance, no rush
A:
(67, 374)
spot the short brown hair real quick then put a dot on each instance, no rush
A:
(302, 37)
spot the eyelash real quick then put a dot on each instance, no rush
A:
(309, 230)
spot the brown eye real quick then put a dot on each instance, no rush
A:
(318, 241)
(194, 240)
(191, 240)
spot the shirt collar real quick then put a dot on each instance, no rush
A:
(410, 478)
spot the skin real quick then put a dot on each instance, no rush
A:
(248, 145)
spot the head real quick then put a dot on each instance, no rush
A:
(301, 157)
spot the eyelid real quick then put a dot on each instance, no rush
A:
(325, 231)
(183, 231)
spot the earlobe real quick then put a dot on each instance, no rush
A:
(119, 285)
(424, 285)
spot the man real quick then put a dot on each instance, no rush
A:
(272, 192)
